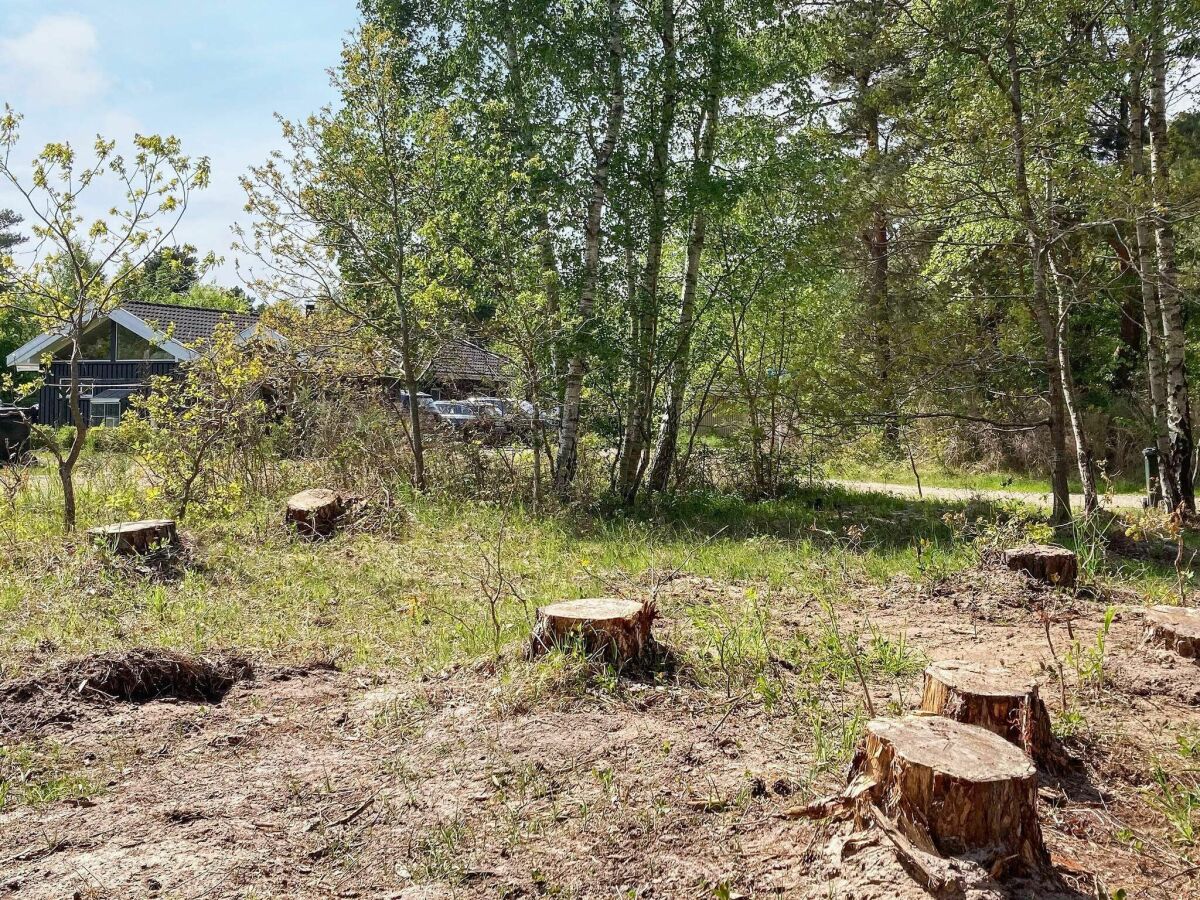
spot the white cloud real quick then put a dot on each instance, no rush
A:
(52, 64)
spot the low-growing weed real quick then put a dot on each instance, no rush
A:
(35, 775)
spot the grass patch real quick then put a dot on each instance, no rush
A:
(35, 774)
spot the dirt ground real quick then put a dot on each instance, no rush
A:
(478, 783)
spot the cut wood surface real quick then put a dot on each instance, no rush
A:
(315, 512)
(1004, 702)
(137, 538)
(954, 789)
(618, 629)
(1046, 563)
(1174, 628)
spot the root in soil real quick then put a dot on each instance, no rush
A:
(136, 676)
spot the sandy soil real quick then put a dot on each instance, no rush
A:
(909, 491)
(473, 783)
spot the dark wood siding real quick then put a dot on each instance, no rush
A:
(52, 399)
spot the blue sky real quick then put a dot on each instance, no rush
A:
(212, 72)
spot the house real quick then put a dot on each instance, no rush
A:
(121, 351)
(461, 368)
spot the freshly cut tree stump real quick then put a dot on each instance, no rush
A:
(315, 513)
(1003, 702)
(617, 629)
(137, 538)
(1053, 565)
(1174, 628)
(954, 790)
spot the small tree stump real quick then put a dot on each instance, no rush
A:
(1057, 566)
(1003, 702)
(1174, 628)
(954, 789)
(315, 513)
(137, 538)
(617, 629)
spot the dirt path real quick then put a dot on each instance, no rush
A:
(1112, 501)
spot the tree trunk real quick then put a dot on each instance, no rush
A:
(414, 412)
(875, 238)
(954, 790)
(1152, 316)
(681, 362)
(1084, 455)
(66, 463)
(618, 630)
(1173, 628)
(1000, 701)
(637, 432)
(1060, 486)
(137, 538)
(1051, 565)
(568, 442)
(1179, 414)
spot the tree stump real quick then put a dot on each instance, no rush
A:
(1003, 702)
(137, 538)
(1056, 566)
(1174, 628)
(616, 629)
(954, 790)
(315, 513)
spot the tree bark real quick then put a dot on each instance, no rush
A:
(1003, 702)
(66, 463)
(954, 790)
(568, 442)
(1060, 487)
(1145, 250)
(1173, 628)
(1084, 455)
(1051, 565)
(875, 238)
(1179, 414)
(618, 630)
(681, 368)
(637, 427)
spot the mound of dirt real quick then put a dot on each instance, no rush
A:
(135, 676)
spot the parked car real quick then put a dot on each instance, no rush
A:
(424, 401)
(518, 416)
(475, 419)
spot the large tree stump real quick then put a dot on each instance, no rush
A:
(1057, 566)
(137, 538)
(617, 629)
(954, 790)
(1173, 628)
(1003, 702)
(315, 513)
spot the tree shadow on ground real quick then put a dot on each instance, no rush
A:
(825, 516)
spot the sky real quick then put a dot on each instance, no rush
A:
(211, 72)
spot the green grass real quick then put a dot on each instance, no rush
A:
(412, 596)
(36, 774)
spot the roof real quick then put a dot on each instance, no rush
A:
(187, 324)
(174, 328)
(462, 360)
(112, 395)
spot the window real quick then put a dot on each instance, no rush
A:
(106, 414)
(96, 344)
(132, 346)
(107, 406)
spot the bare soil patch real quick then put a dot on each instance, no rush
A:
(509, 781)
